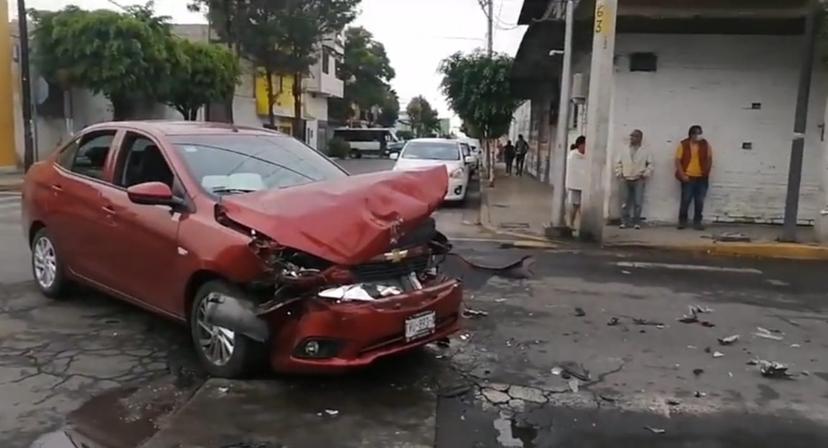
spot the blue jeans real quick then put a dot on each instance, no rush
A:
(633, 194)
(694, 190)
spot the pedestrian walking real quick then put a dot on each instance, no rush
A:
(576, 176)
(694, 158)
(509, 156)
(633, 166)
(522, 149)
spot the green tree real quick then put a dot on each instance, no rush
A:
(478, 90)
(423, 119)
(389, 109)
(205, 73)
(123, 56)
(283, 36)
(367, 72)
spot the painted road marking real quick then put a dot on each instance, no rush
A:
(686, 267)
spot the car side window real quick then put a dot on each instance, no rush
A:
(140, 161)
(90, 157)
(67, 155)
(466, 150)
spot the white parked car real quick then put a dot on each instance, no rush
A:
(427, 152)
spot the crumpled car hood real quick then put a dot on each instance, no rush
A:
(345, 221)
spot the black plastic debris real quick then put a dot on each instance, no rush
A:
(579, 312)
(647, 322)
(699, 394)
(608, 399)
(613, 322)
(707, 324)
(698, 372)
(673, 402)
(772, 369)
(655, 430)
(728, 340)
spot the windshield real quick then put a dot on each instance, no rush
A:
(226, 164)
(431, 151)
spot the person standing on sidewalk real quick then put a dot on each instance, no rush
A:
(633, 166)
(509, 156)
(576, 177)
(694, 158)
(522, 149)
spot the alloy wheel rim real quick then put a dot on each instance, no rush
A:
(216, 343)
(45, 263)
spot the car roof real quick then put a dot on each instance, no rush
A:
(434, 140)
(168, 127)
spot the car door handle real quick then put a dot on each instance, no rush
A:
(108, 209)
(57, 187)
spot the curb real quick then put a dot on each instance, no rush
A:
(781, 251)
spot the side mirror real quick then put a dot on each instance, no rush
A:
(394, 156)
(468, 159)
(152, 193)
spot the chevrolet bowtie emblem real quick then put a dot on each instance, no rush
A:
(396, 255)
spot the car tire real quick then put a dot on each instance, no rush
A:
(47, 266)
(211, 342)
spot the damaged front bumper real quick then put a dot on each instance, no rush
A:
(326, 335)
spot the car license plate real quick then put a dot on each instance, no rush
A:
(419, 325)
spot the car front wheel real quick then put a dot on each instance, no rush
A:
(223, 352)
(47, 267)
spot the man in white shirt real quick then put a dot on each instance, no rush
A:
(576, 178)
(633, 166)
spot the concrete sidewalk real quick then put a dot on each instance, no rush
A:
(11, 181)
(522, 207)
(516, 206)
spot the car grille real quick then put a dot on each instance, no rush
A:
(385, 270)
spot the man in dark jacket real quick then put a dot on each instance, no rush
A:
(509, 156)
(521, 149)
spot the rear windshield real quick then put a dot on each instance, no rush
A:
(226, 164)
(431, 151)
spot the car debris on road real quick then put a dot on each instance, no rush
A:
(655, 430)
(728, 340)
(773, 369)
(768, 334)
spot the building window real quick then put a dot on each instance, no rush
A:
(326, 60)
(643, 62)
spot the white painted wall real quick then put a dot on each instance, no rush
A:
(712, 80)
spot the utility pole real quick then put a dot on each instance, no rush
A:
(800, 124)
(8, 153)
(598, 118)
(490, 34)
(561, 149)
(25, 86)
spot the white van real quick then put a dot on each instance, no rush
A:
(373, 141)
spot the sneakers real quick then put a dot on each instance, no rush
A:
(622, 226)
(637, 227)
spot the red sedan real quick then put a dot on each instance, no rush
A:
(260, 244)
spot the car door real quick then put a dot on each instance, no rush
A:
(76, 206)
(144, 252)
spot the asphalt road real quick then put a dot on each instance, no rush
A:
(92, 367)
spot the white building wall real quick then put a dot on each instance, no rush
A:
(713, 80)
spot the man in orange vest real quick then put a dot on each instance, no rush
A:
(694, 158)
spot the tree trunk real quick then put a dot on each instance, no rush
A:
(271, 119)
(298, 125)
(193, 115)
(122, 108)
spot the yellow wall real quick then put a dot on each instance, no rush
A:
(282, 88)
(8, 156)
